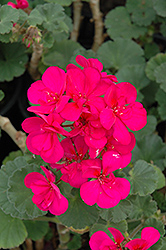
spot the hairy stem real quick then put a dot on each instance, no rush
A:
(64, 236)
(35, 59)
(53, 219)
(77, 6)
(136, 230)
(98, 22)
(39, 244)
(29, 244)
(17, 136)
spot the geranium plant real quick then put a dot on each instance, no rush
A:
(93, 149)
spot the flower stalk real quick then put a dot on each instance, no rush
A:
(77, 18)
(17, 136)
(98, 23)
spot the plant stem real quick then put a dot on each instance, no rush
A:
(35, 59)
(136, 230)
(77, 6)
(39, 244)
(98, 22)
(17, 136)
(53, 219)
(64, 236)
(29, 244)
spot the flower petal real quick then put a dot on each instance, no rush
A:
(151, 235)
(107, 118)
(89, 192)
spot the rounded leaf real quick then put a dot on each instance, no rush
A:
(153, 63)
(12, 61)
(113, 55)
(12, 231)
(126, 29)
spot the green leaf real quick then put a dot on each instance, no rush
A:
(153, 63)
(135, 74)
(148, 129)
(12, 155)
(160, 7)
(13, 59)
(151, 49)
(60, 53)
(143, 178)
(61, 2)
(113, 55)
(35, 17)
(121, 226)
(34, 3)
(8, 16)
(151, 149)
(160, 198)
(161, 99)
(142, 12)
(12, 231)
(5, 38)
(160, 76)
(163, 247)
(49, 15)
(162, 28)
(20, 195)
(100, 227)
(2, 95)
(161, 178)
(75, 242)
(5, 172)
(36, 229)
(157, 245)
(149, 93)
(72, 218)
(118, 213)
(126, 29)
(143, 206)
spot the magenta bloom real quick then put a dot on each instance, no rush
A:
(21, 4)
(149, 236)
(73, 155)
(48, 92)
(122, 111)
(47, 196)
(43, 136)
(90, 127)
(94, 63)
(104, 188)
(101, 241)
(84, 87)
(113, 146)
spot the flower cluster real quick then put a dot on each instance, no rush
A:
(101, 241)
(93, 112)
(21, 4)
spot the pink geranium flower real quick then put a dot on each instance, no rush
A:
(48, 92)
(21, 4)
(104, 188)
(90, 128)
(43, 136)
(122, 110)
(94, 63)
(47, 196)
(149, 236)
(101, 241)
(74, 152)
(113, 146)
(84, 88)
